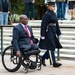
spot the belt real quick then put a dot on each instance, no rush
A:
(52, 24)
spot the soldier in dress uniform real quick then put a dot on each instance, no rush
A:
(49, 32)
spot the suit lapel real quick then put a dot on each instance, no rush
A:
(23, 30)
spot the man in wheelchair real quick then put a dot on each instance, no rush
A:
(23, 46)
(23, 40)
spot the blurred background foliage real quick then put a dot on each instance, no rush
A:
(18, 7)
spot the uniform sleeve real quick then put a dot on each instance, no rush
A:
(58, 32)
(32, 36)
(44, 24)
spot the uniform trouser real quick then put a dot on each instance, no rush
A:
(49, 54)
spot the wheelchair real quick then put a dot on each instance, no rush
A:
(12, 63)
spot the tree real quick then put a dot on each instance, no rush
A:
(18, 7)
(41, 8)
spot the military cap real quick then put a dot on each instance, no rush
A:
(51, 2)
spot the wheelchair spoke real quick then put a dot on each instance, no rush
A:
(10, 61)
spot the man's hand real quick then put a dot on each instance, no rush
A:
(18, 54)
(8, 12)
(33, 1)
(0, 12)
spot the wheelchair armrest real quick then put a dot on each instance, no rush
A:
(35, 40)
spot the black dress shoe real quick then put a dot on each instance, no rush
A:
(57, 64)
(43, 62)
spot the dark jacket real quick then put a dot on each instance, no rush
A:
(9, 5)
(50, 32)
(27, 1)
(20, 38)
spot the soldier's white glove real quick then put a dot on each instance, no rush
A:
(59, 37)
(42, 37)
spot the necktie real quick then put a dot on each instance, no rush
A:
(28, 33)
(27, 30)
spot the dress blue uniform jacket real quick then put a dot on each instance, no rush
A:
(20, 38)
(50, 32)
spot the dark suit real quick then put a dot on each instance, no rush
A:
(21, 41)
(49, 31)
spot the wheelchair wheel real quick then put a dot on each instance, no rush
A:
(10, 61)
(40, 63)
(25, 70)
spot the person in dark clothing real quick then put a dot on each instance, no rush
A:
(5, 7)
(49, 32)
(71, 4)
(30, 8)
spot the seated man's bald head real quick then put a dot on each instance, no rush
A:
(23, 19)
(23, 16)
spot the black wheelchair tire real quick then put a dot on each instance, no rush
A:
(39, 66)
(3, 62)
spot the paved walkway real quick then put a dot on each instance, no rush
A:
(68, 68)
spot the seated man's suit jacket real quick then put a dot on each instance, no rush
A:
(20, 38)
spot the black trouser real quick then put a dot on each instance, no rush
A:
(51, 55)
